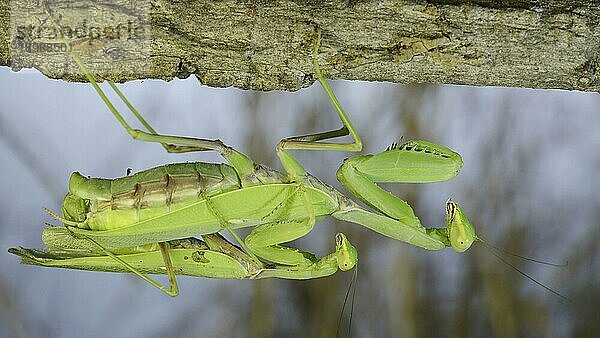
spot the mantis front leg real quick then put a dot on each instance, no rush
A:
(344, 258)
(411, 162)
(293, 263)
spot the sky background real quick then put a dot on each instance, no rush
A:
(529, 184)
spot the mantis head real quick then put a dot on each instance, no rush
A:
(345, 252)
(461, 232)
(75, 205)
(75, 208)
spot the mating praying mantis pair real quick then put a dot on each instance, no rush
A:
(147, 223)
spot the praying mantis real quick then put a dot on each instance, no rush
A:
(147, 223)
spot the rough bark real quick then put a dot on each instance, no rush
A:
(268, 45)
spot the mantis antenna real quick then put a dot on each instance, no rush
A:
(352, 286)
(497, 252)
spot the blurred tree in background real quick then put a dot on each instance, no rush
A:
(529, 184)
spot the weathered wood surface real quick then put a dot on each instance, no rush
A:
(267, 45)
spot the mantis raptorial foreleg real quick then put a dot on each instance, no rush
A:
(264, 241)
(265, 238)
(344, 258)
(411, 162)
(414, 161)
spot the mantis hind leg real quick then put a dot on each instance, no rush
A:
(172, 144)
(243, 165)
(173, 289)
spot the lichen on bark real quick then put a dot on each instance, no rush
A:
(267, 45)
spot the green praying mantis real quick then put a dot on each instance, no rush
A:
(147, 223)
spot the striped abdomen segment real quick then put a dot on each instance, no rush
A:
(102, 204)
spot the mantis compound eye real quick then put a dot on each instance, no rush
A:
(461, 232)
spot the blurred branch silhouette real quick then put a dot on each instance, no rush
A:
(25, 153)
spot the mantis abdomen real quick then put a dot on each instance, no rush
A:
(104, 204)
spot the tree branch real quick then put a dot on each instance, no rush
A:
(268, 45)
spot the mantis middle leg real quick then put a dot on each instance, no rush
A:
(315, 141)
